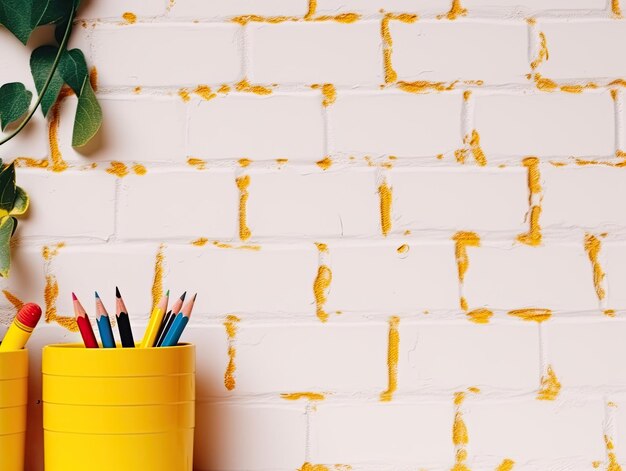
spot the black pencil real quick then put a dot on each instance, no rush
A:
(123, 323)
(164, 322)
(168, 319)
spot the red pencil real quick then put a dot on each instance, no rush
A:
(83, 324)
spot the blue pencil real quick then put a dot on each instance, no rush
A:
(104, 325)
(180, 322)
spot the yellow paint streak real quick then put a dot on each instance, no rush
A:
(29, 162)
(224, 89)
(204, 92)
(460, 155)
(157, 281)
(50, 294)
(48, 253)
(550, 386)
(456, 10)
(245, 19)
(477, 151)
(578, 88)
(328, 91)
(609, 312)
(14, 300)
(323, 248)
(325, 163)
(466, 95)
(533, 237)
(404, 248)
(614, 94)
(197, 163)
(392, 359)
(184, 94)
(463, 303)
(58, 164)
(532, 314)
(320, 290)
(545, 84)
(222, 245)
(385, 194)
(245, 86)
(282, 161)
(506, 465)
(231, 331)
(459, 430)
(463, 241)
(137, 90)
(341, 18)
(243, 183)
(311, 10)
(616, 8)
(390, 74)
(244, 162)
(480, 316)
(139, 169)
(200, 242)
(612, 465)
(93, 78)
(320, 467)
(543, 55)
(311, 396)
(534, 176)
(618, 83)
(421, 86)
(118, 169)
(129, 17)
(592, 247)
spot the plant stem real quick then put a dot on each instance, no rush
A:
(66, 36)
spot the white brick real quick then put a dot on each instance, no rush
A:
(576, 49)
(537, 430)
(400, 124)
(216, 8)
(536, 5)
(73, 203)
(116, 8)
(478, 199)
(552, 277)
(445, 357)
(383, 433)
(233, 437)
(619, 415)
(378, 278)
(449, 51)
(147, 129)
(330, 7)
(582, 196)
(289, 202)
(311, 357)
(316, 52)
(613, 259)
(178, 203)
(270, 280)
(559, 124)
(166, 54)
(211, 357)
(257, 128)
(32, 141)
(83, 269)
(587, 354)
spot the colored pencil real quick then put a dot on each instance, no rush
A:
(169, 317)
(104, 324)
(83, 324)
(123, 323)
(156, 318)
(180, 322)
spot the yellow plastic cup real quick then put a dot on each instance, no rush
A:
(125, 409)
(13, 400)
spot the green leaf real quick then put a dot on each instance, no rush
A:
(14, 102)
(7, 187)
(47, 12)
(16, 16)
(88, 116)
(21, 203)
(73, 69)
(7, 227)
(41, 61)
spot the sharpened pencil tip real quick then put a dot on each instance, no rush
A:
(97, 297)
(194, 296)
(182, 298)
(117, 292)
(74, 297)
(168, 293)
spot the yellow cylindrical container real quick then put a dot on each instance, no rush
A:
(123, 409)
(13, 400)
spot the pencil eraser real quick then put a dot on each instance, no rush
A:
(29, 314)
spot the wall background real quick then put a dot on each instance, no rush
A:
(405, 221)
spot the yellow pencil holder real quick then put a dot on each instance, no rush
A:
(13, 400)
(118, 409)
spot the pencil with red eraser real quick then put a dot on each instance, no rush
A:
(84, 325)
(21, 327)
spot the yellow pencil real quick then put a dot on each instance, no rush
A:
(155, 321)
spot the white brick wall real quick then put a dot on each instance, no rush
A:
(350, 184)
